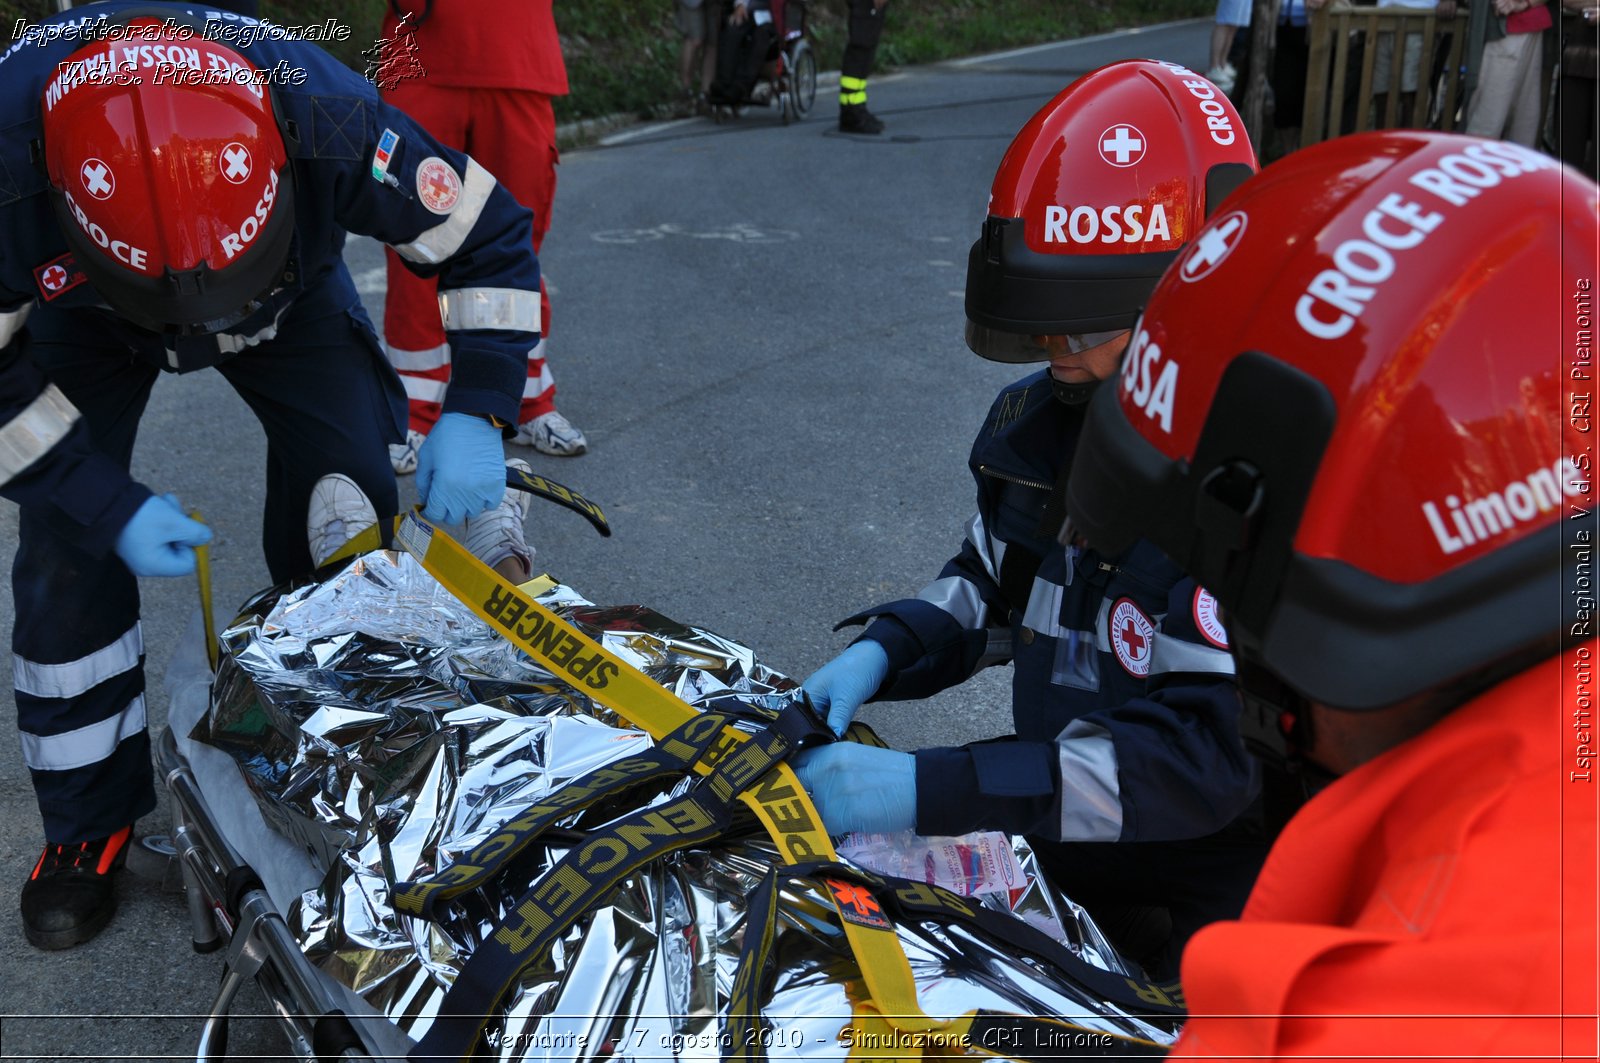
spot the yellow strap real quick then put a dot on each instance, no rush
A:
(778, 799)
(202, 571)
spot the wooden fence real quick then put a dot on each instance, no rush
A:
(1344, 49)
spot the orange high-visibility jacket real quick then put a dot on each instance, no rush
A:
(1437, 901)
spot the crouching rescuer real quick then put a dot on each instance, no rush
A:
(1126, 769)
(160, 219)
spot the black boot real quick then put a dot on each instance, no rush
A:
(68, 899)
(855, 118)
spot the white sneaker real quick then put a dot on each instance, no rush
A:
(1223, 77)
(551, 433)
(499, 533)
(339, 512)
(403, 456)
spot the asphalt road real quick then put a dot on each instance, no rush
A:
(759, 329)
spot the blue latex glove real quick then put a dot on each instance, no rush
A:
(840, 687)
(159, 540)
(461, 469)
(860, 788)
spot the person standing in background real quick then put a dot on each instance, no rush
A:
(700, 25)
(486, 75)
(1232, 15)
(866, 26)
(1506, 102)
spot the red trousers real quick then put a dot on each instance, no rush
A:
(512, 134)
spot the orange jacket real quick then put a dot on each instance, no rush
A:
(487, 44)
(1455, 875)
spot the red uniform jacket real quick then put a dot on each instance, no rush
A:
(490, 44)
(1454, 875)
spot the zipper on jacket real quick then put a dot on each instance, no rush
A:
(1020, 480)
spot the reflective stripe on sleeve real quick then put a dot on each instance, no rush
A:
(1044, 607)
(71, 678)
(29, 435)
(1091, 803)
(418, 361)
(959, 598)
(482, 308)
(991, 549)
(445, 239)
(11, 322)
(86, 745)
(1171, 654)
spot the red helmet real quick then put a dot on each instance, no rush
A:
(1094, 197)
(1355, 409)
(169, 176)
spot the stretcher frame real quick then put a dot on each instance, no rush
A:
(229, 907)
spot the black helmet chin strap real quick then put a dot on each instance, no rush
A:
(1072, 394)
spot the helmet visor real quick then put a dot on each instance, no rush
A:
(999, 346)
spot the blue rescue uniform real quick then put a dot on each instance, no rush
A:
(74, 380)
(1126, 769)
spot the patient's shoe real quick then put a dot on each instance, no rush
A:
(498, 534)
(403, 456)
(69, 897)
(551, 433)
(339, 511)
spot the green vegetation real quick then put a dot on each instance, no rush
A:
(622, 54)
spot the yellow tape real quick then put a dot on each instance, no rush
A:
(777, 798)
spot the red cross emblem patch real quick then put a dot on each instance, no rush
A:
(1208, 618)
(59, 275)
(1133, 637)
(438, 185)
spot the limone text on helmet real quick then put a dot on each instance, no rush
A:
(1149, 383)
(235, 242)
(1476, 520)
(1105, 225)
(124, 252)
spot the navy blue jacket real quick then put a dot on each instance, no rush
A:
(481, 251)
(1123, 701)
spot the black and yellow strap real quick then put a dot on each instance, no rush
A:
(673, 755)
(744, 1030)
(581, 879)
(870, 1036)
(778, 800)
(909, 900)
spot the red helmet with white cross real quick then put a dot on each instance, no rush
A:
(1093, 199)
(169, 176)
(1357, 409)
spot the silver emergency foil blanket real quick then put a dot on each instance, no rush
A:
(386, 730)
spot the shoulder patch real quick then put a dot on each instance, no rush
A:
(438, 185)
(387, 142)
(58, 276)
(1132, 637)
(1208, 618)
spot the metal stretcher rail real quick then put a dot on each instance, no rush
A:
(229, 906)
